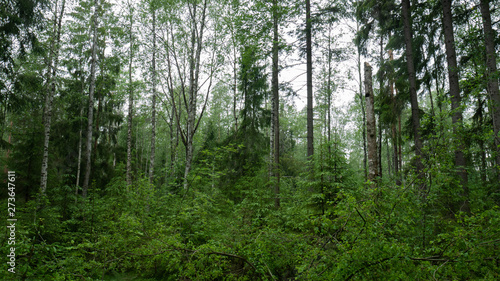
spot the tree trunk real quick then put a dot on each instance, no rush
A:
(329, 89)
(371, 127)
(78, 170)
(393, 128)
(482, 152)
(361, 101)
(90, 117)
(51, 87)
(130, 103)
(276, 102)
(455, 100)
(381, 94)
(97, 119)
(235, 83)
(153, 104)
(271, 141)
(493, 90)
(415, 115)
(194, 72)
(310, 125)
(400, 149)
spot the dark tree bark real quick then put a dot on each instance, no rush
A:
(415, 116)
(363, 112)
(456, 99)
(371, 127)
(493, 90)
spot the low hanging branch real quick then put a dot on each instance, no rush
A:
(174, 248)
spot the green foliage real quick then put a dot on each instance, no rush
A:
(331, 225)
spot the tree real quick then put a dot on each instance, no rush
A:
(275, 105)
(90, 114)
(21, 19)
(415, 115)
(492, 75)
(192, 41)
(254, 88)
(310, 114)
(153, 99)
(130, 97)
(371, 127)
(456, 100)
(51, 88)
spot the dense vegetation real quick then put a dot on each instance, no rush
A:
(166, 140)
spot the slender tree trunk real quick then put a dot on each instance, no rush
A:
(130, 102)
(371, 127)
(191, 110)
(456, 100)
(493, 90)
(362, 103)
(388, 152)
(393, 127)
(173, 147)
(78, 170)
(90, 118)
(79, 161)
(97, 119)
(235, 84)
(310, 116)
(379, 146)
(271, 141)
(329, 89)
(153, 104)
(194, 71)
(481, 141)
(275, 90)
(415, 115)
(400, 147)
(381, 94)
(51, 87)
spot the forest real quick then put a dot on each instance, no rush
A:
(250, 140)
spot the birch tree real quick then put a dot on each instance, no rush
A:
(90, 113)
(130, 96)
(185, 46)
(53, 60)
(153, 98)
